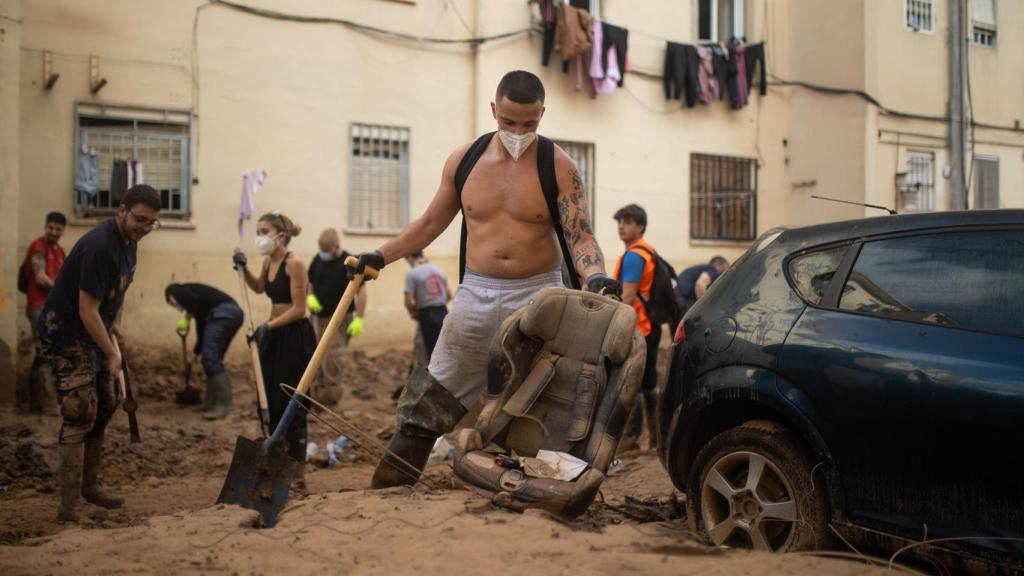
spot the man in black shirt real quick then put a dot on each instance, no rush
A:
(328, 279)
(76, 328)
(695, 280)
(218, 319)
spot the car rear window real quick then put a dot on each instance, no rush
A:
(812, 273)
(967, 279)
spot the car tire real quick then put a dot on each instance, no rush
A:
(784, 509)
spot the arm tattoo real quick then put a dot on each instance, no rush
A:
(38, 264)
(574, 214)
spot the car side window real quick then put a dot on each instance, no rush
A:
(971, 280)
(812, 273)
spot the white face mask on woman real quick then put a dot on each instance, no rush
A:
(266, 244)
(326, 256)
(516, 144)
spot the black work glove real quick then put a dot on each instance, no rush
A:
(373, 260)
(258, 335)
(239, 259)
(600, 283)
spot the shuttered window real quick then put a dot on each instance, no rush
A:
(986, 182)
(723, 197)
(983, 29)
(378, 191)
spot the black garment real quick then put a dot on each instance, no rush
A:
(650, 382)
(619, 37)
(280, 288)
(581, 4)
(118, 181)
(732, 78)
(102, 265)
(688, 277)
(680, 75)
(198, 300)
(284, 354)
(430, 320)
(222, 323)
(755, 54)
(720, 66)
(549, 42)
(329, 279)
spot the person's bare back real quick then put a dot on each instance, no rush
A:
(510, 230)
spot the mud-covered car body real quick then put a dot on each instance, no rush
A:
(893, 348)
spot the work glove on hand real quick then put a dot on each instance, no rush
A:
(373, 259)
(258, 335)
(182, 327)
(239, 259)
(313, 303)
(355, 327)
(600, 283)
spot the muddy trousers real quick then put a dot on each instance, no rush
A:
(86, 392)
(643, 410)
(37, 394)
(426, 411)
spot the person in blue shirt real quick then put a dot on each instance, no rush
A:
(695, 280)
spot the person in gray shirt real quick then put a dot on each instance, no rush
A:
(426, 298)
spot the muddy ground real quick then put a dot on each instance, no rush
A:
(171, 523)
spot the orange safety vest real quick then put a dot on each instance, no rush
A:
(643, 323)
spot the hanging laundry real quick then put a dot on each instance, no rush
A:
(118, 181)
(604, 79)
(139, 172)
(619, 38)
(753, 56)
(130, 163)
(720, 63)
(575, 32)
(680, 75)
(710, 90)
(549, 20)
(738, 81)
(252, 181)
(87, 174)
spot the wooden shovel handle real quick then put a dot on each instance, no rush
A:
(120, 375)
(261, 394)
(332, 327)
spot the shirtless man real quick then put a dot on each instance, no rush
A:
(512, 252)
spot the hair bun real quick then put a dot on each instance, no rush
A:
(296, 230)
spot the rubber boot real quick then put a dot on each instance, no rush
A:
(218, 390)
(651, 418)
(70, 479)
(299, 479)
(412, 449)
(631, 431)
(91, 490)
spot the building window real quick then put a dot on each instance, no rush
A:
(920, 15)
(583, 154)
(916, 186)
(720, 20)
(986, 182)
(723, 197)
(378, 199)
(983, 29)
(129, 146)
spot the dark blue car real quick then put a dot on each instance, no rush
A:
(859, 380)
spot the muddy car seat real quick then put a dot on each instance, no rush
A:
(563, 375)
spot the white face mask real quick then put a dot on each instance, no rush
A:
(326, 256)
(265, 244)
(516, 144)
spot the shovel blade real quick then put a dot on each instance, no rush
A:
(188, 397)
(258, 478)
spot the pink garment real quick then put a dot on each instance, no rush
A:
(741, 99)
(252, 181)
(710, 91)
(605, 81)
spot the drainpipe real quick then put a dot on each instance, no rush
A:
(475, 84)
(958, 116)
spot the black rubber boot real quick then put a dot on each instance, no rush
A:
(414, 450)
(91, 490)
(218, 393)
(70, 482)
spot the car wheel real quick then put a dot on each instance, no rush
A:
(753, 486)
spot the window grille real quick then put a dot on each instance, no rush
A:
(986, 182)
(583, 154)
(917, 192)
(720, 20)
(158, 140)
(378, 178)
(920, 15)
(723, 197)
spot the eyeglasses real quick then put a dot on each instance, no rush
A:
(145, 222)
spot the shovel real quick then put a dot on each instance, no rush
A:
(190, 395)
(130, 405)
(261, 394)
(261, 472)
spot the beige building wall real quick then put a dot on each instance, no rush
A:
(282, 95)
(10, 257)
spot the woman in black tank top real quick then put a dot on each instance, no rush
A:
(286, 342)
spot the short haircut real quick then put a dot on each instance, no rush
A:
(141, 194)
(719, 260)
(329, 236)
(521, 87)
(56, 218)
(633, 213)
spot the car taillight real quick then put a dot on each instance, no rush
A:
(680, 333)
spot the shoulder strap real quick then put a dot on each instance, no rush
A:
(476, 150)
(549, 183)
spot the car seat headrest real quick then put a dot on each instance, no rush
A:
(580, 325)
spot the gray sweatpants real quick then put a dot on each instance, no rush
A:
(481, 304)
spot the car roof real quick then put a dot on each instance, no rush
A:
(851, 229)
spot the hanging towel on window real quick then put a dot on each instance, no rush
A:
(252, 181)
(118, 182)
(710, 90)
(604, 79)
(753, 56)
(87, 176)
(680, 76)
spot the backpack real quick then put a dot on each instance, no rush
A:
(548, 183)
(23, 276)
(665, 304)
